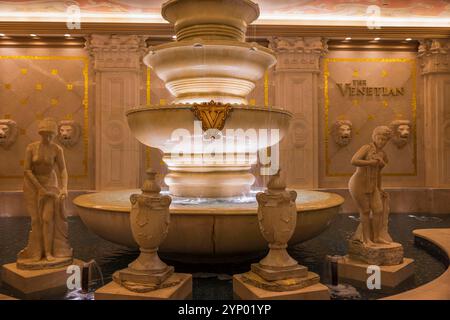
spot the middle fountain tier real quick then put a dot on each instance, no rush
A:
(209, 135)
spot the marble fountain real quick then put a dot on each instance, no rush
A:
(210, 70)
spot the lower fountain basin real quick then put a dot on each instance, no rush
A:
(212, 229)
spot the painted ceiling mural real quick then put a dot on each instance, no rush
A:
(270, 9)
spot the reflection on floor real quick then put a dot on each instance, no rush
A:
(214, 281)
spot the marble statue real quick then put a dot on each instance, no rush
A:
(69, 132)
(371, 242)
(8, 133)
(342, 132)
(48, 245)
(401, 130)
(365, 189)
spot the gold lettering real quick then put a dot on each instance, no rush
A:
(342, 89)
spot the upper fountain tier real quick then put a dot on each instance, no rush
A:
(210, 59)
(210, 20)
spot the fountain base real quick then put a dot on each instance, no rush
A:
(206, 230)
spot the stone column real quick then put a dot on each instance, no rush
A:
(297, 89)
(117, 61)
(435, 66)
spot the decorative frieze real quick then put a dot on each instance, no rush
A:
(116, 51)
(298, 52)
(434, 56)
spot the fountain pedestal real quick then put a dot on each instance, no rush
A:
(278, 275)
(148, 276)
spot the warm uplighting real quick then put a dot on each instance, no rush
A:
(408, 39)
(377, 39)
(265, 18)
(348, 38)
(174, 37)
(67, 35)
(33, 35)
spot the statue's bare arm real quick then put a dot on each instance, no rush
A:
(358, 158)
(61, 162)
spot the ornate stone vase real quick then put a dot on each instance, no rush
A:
(149, 219)
(277, 217)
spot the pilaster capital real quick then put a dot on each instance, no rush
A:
(434, 55)
(302, 53)
(115, 52)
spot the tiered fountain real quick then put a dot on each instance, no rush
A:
(210, 70)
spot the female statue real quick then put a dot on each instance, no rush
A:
(365, 189)
(48, 244)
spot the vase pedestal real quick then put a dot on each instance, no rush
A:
(177, 287)
(309, 288)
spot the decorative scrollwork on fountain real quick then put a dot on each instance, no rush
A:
(213, 115)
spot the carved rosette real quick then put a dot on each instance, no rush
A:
(434, 56)
(213, 115)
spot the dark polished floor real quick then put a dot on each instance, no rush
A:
(213, 281)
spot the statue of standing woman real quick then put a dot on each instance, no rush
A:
(366, 191)
(48, 244)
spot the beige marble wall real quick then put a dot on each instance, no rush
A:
(38, 83)
(32, 86)
(377, 69)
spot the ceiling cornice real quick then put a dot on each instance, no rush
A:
(254, 31)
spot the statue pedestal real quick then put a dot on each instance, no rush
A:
(381, 255)
(179, 291)
(391, 276)
(249, 286)
(36, 283)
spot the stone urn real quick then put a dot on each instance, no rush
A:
(149, 219)
(277, 217)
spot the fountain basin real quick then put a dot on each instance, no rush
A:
(211, 230)
(155, 125)
(194, 172)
